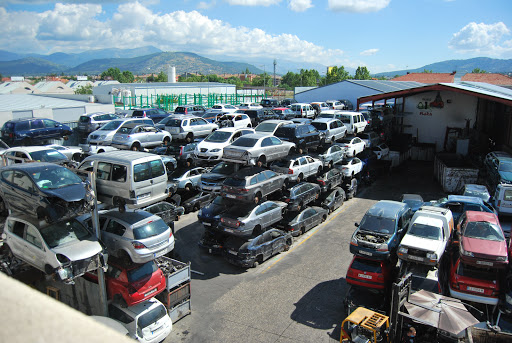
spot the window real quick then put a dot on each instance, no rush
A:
(266, 142)
(7, 175)
(18, 228)
(254, 180)
(118, 173)
(118, 314)
(261, 177)
(303, 161)
(157, 168)
(33, 237)
(37, 124)
(141, 172)
(275, 140)
(115, 228)
(22, 126)
(50, 123)
(269, 174)
(104, 170)
(23, 181)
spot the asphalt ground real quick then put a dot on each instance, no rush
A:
(296, 296)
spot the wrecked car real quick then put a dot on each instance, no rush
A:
(298, 224)
(66, 248)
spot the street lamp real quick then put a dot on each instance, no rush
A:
(264, 79)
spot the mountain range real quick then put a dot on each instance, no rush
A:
(150, 59)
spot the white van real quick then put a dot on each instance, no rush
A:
(354, 121)
(132, 178)
(502, 199)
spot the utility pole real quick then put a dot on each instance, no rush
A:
(275, 63)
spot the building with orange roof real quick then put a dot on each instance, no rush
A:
(491, 78)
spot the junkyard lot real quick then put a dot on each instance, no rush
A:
(295, 296)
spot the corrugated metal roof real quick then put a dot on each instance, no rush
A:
(386, 86)
(482, 88)
(45, 86)
(8, 87)
(24, 102)
(175, 85)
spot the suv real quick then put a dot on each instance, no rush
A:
(156, 114)
(381, 230)
(28, 130)
(256, 115)
(269, 103)
(287, 102)
(303, 110)
(196, 110)
(498, 165)
(303, 135)
(335, 105)
(253, 184)
(93, 121)
(333, 129)
(186, 127)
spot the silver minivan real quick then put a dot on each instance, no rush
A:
(132, 178)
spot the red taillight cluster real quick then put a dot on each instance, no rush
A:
(287, 200)
(181, 150)
(455, 285)
(244, 190)
(322, 182)
(138, 245)
(290, 171)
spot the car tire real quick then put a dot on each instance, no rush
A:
(190, 137)
(135, 147)
(300, 206)
(166, 141)
(324, 218)
(258, 198)
(319, 171)
(188, 187)
(48, 270)
(354, 153)
(196, 207)
(4, 212)
(300, 178)
(261, 161)
(256, 262)
(329, 165)
(302, 230)
(123, 256)
(249, 125)
(257, 230)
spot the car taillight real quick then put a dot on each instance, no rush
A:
(290, 171)
(455, 285)
(287, 200)
(244, 190)
(181, 150)
(186, 111)
(499, 203)
(170, 234)
(138, 245)
(322, 182)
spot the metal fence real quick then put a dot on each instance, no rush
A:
(170, 102)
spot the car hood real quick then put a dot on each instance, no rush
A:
(484, 246)
(210, 145)
(212, 211)
(507, 176)
(421, 243)
(69, 193)
(80, 250)
(213, 177)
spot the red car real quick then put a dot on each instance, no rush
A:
(482, 241)
(471, 283)
(133, 283)
(369, 273)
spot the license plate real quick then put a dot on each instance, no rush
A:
(415, 258)
(232, 252)
(484, 263)
(159, 253)
(150, 292)
(207, 187)
(207, 224)
(365, 253)
(232, 196)
(475, 289)
(503, 204)
(364, 276)
(229, 230)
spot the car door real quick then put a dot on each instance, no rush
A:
(270, 181)
(269, 149)
(202, 126)
(51, 127)
(37, 129)
(17, 242)
(261, 217)
(275, 212)
(112, 234)
(24, 193)
(35, 249)
(278, 242)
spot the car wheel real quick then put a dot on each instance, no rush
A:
(302, 230)
(135, 147)
(48, 270)
(288, 245)
(261, 161)
(196, 207)
(319, 171)
(257, 198)
(3, 208)
(301, 150)
(300, 206)
(257, 262)
(249, 125)
(300, 178)
(167, 140)
(188, 187)
(257, 230)
(354, 153)
(100, 151)
(324, 218)
(123, 256)
(190, 138)
(329, 165)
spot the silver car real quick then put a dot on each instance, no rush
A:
(135, 136)
(331, 155)
(187, 179)
(103, 136)
(245, 221)
(67, 249)
(187, 127)
(257, 149)
(139, 236)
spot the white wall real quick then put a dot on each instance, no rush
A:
(429, 125)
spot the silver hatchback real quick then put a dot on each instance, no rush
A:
(136, 235)
(135, 136)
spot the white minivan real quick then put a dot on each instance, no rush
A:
(502, 199)
(354, 121)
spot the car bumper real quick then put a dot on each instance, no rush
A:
(474, 298)
(474, 261)
(365, 283)
(251, 161)
(234, 259)
(120, 146)
(366, 252)
(137, 203)
(208, 157)
(237, 196)
(235, 232)
(210, 189)
(417, 259)
(148, 256)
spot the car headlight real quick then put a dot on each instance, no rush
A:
(383, 247)
(215, 150)
(466, 253)
(103, 137)
(403, 250)
(432, 255)
(501, 258)
(353, 241)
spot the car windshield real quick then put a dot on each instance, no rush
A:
(234, 182)
(378, 224)
(223, 168)
(425, 231)
(245, 142)
(151, 317)
(483, 230)
(219, 200)
(367, 266)
(142, 271)
(150, 229)
(165, 120)
(84, 119)
(55, 177)
(238, 211)
(218, 136)
(112, 125)
(266, 127)
(64, 233)
(285, 132)
(484, 195)
(326, 115)
(505, 167)
(319, 126)
(49, 155)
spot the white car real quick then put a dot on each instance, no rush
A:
(71, 152)
(352, 146)
(22, 154)
(298, 168)
(270, 126)
(335, 104)
(234, 120)
(381, 150)
(331, 155)
(250, 106)
(303, 110)
(351, 167)
(211, 148)
(333, 129)
(187, 127)
(146, 322)
(222, 108)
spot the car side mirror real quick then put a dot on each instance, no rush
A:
(356, 224)
(57, 125)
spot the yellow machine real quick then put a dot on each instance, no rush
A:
(365, 326)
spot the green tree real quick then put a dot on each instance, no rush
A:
(427, 71)
(127, 77)
(336, 74)
(362, 73)
(478, 71)
(115, 74)
(84, 89)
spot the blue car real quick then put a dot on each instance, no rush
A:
(459, 204)
(29, 130)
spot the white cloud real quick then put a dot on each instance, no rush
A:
(253, 2)
(369, 52)
(74, 28)
(299, 5)
(358, 6)
(203, 5)
(481, 38)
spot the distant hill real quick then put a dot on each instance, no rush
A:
(490, 65)
(29, 66)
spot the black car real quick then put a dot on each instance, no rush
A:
(300, 195)
(213, 241)
(304, 221)
(255, 115)
(350, 187)
(209, 215)
(348, 104)
(269, 114)
(303, 135)
(44, 190)
(269, 103)
(332, 200)
(287, 102)
(329, 180)
(29, 130)
(197, 200)
(156, 114)
(252, 253)
(212, 181)
(184, 154)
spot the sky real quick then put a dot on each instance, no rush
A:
(382, 35)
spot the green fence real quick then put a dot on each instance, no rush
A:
(170, 102)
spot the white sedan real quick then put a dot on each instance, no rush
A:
(352, 146)
(211, 148)
(234, 120)
(222, 108)
(71, 152)
(351, 167)
(381, 150)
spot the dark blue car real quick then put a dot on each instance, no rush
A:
(459, 204)
(29, 130)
